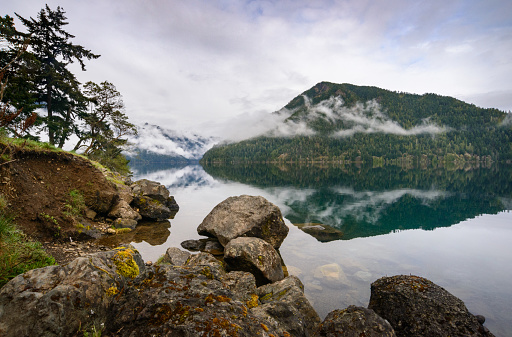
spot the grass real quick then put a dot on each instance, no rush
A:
(75, 205)
(18, 254)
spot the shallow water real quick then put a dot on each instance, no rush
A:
(454, 228)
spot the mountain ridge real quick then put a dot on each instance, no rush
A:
(343, 122)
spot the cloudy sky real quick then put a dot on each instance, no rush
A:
(198, 63)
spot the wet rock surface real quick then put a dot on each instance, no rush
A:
(355, 322)
(415, 306)
(245, 216)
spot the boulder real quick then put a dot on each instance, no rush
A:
(175, 256)
(151, 189)
(125, 223)
(116, 294)
(245, 216)
(415, 306)
(102, 201)
(243, 284)
(151, 199)
(355, 322)
(123, 210)
(210, 245)
(286, 309)
(255, 256)
(152, 208)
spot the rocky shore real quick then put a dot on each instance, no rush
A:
(240, 291)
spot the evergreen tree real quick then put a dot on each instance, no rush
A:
(57, 88)
(105, 126)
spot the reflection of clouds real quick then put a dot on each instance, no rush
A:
(368, 205)
(192, 175)
(364, 206)
(288, 196)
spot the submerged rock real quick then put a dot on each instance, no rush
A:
(245, 216)
(355, 322)
(255, 256)
(415, 306)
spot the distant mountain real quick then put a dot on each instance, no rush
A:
(160, 145)
(345, 122)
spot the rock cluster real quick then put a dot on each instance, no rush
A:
(143, 199)
(116, 293)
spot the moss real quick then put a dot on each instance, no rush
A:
(253, 302)
(112, 291)
(125, 264)
(123, 230)
(206, 271)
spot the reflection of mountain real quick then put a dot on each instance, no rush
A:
(365, 202)
(172, 176)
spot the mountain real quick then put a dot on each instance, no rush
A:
(345, 122)
(159, 145)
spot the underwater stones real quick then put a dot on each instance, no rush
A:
(355, 322)
(245, 216)
(255, 256)
(331, 274)
(415, 306)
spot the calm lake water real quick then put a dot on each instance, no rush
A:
(350, 226)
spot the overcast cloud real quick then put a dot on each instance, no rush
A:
(186, 64)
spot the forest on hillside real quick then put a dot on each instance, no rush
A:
(372, 124)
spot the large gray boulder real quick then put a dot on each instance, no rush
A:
(355, 322)
(255, 256)
(286, 309)
(245, 216)
(415, 306)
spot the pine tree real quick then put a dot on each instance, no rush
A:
(57, 88)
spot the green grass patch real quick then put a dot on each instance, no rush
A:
(17, 253)
(75, 205)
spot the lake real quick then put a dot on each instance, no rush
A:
(351, 225)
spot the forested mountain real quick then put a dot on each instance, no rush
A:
(344, 122)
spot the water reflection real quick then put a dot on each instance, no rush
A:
(342, 203)
(467, 254)
(154, 233)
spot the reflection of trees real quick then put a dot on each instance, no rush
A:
(350, 202)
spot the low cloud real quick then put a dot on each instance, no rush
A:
(366, 117)
(169, 142)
